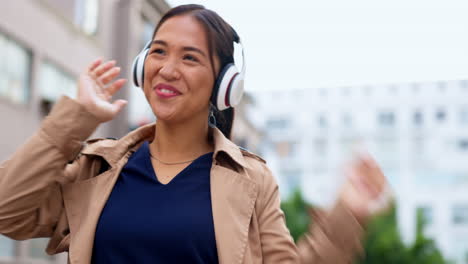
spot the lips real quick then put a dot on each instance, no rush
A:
(166, 91)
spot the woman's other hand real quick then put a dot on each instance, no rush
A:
(364, 186)
(96, 86)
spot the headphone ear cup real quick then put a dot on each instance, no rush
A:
(138, 68)
(221, 91)
(219, 79)
(236, 90)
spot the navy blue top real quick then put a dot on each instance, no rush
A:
(145, 221)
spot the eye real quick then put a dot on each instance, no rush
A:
(158, 51)
(190, 58)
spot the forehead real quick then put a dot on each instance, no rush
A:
(183, 30)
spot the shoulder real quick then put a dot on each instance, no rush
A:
(255, 165)
(259, 172)
(257, 169)
(94, 140)
(249, 155)
(95, 143)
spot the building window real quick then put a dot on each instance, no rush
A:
(54, 83)
(323, 92)
(367, 90)
(278, 124)
(348, 145)
(15, 70)
(416, 87)
(464, 115)
(460, 214)
(392, 89)
(347, 120)
(418, 147)
(386, 119)
(292, 178)
(463, 144)
(464, 85)
(387, 145)
(418, 118)
(427, 214)
(441, 115)
(345, 91)
(37, 249)
(286, 149)
(7, 247)
(320, 146)
(442, 86)
(86, 15)
(322, 121)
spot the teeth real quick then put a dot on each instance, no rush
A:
(167, 91)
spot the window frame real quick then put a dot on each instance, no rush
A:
(28, 74)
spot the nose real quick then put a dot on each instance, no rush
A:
(169, 71)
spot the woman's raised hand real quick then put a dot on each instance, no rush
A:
(96, 86)
(364, 187)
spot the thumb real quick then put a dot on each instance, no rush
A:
(119, 105)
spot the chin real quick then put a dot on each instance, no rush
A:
(165, 114)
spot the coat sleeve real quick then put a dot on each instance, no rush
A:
(333, 239)
(31, 202)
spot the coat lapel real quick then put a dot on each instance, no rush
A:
(84, 202)
(233, 199)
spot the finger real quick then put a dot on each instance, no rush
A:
(98, 71)
(361, 187)
(364, 188)
(377, 176)
(375, 173)
(94, 64)
(115, 86)
(368, 178)
(118, 105)
(369, 161)
(109, 75)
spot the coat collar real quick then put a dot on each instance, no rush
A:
(233, 196)
(113, 150)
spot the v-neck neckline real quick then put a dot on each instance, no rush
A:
(153, 172)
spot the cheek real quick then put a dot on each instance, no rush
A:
(202, 83)
(149, 72)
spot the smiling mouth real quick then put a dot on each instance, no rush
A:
(166, 91)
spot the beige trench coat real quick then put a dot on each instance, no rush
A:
(50, 187)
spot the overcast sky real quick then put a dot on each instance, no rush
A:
(311, 43)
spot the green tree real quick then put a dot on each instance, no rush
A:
(424, 250)
(295, 209)
(382, 243)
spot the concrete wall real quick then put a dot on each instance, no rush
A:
(47, 29)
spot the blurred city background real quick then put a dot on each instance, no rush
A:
(325, 81)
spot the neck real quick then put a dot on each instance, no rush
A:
(175, 142)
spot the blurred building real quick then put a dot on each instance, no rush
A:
(418, 132)
(44, 45)
(245, 132)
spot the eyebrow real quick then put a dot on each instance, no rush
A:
(187, 48)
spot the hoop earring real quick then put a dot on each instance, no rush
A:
(212, 119)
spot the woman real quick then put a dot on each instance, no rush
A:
(173, 192)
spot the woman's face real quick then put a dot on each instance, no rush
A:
(178, 71)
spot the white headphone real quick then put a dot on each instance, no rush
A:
(228, 88)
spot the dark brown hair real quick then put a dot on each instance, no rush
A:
(221, 37)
